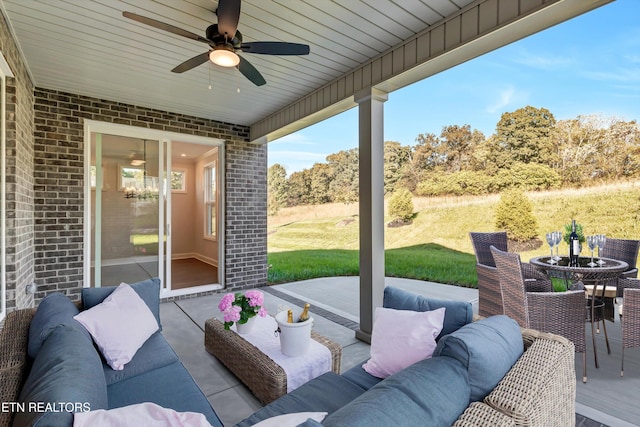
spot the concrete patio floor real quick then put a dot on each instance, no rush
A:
(606, 399)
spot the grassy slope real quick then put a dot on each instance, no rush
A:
(320, 241)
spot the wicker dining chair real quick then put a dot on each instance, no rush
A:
(624, 250)
(489, 296)
(630, 322)
(561, 313)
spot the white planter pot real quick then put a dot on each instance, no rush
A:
(246, 328)
(294, 337)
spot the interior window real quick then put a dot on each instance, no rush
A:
(210, 199)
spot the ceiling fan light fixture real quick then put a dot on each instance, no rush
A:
(224, 57)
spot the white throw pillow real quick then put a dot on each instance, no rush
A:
(119, 325)
(141, 414)
(291, 420)
(401, 338)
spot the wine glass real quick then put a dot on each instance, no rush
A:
(592, 241)
(601, 240)
(558, 236)
(551, 240)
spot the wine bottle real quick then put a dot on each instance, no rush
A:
(574, 245)
(304, 316)
(290, 316)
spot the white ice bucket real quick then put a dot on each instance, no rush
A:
(294, 337)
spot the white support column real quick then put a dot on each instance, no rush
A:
(371, 153)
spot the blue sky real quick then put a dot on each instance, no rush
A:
(588, 65)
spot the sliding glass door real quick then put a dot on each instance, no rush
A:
(153, 208)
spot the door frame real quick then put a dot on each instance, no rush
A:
(5, 71)
(164, 138)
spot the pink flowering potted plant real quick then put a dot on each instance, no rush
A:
(242, 307)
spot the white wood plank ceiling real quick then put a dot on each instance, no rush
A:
(87, 47)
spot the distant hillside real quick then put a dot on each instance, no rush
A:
(445, 222)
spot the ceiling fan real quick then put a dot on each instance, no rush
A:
(225, 41)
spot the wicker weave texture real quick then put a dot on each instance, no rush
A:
(514, 295)
(631, 318)
(489, 296)
(540, 389)
(13, 357)
(482, 243)
(481, 415)
(624, 250)
(266, 379)
(561, 313)
(626, 283)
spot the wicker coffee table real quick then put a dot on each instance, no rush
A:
(266, 379)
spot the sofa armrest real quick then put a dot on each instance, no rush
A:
(479, 414)
(542, 377)
(14, 336)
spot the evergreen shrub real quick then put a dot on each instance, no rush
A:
(514, 214)
(401, 205)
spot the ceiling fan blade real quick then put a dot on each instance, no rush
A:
(228, 16)
(191, 63)
(163, 26)
(275, 48)
(250, 72)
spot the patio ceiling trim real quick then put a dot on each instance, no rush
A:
(481, 27)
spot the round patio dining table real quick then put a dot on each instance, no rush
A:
(598, 275)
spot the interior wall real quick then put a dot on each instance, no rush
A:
(183, 213)
(206, 247)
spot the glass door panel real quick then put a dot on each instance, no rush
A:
(126, 197)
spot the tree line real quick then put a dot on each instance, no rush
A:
(529, 149)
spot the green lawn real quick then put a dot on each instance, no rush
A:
(436, 247)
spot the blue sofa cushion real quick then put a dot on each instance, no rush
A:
(326, 393)
(67, 372)
(170, 386)
(360, 377)
(149, 291)
(432, 392)
(154, 353)
(487, 348)
(457, 313)
(55, 309)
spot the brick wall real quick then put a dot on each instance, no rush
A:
(19, 175)
(246, 221)
(58, 187)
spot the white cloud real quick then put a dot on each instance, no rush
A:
(505, 97)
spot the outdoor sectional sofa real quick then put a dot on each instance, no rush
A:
(47, 357)
(483, 373)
